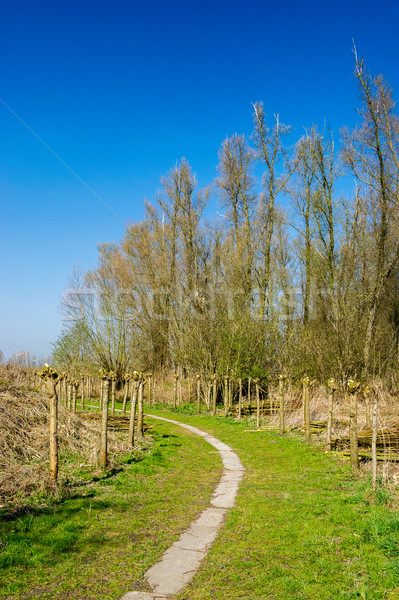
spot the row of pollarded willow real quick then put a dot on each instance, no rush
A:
(58, 384)
(229, 391)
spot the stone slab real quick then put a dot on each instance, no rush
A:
(225, 494)
(143, 596)
(180, 562)
(174, 571)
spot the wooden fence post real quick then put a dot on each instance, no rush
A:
(179, 386)
(140, 407)
(53, 405)
(82, 397)
(126, 379)
(103, 455)
(353, 387)
(239, 397)
(368, 407)
(75, 385)
(149, 378)
(176, 376)
(332, 386)
(214, 378)
(374, 438)
(113, 386)
(198, 393)
(69, 395)
(133, 404)
(226, 395)
(281, 379)
(306, 407)
(256, 381)
(50, 375)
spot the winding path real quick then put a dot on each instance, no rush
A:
(182, 559)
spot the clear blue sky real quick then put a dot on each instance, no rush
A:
(121, 90)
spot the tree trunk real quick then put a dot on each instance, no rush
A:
(149, 390)
(368, 408)
(53, 405)
(257, 404)
(353, 431)
(125, 393)
(374, 439)
(104, 425)
(69, 397)
(198, 394)
(226, 395)
(306, 408)
(113, 384)
(132, 413)
(282, 407)
(82, 399)
(214, 396)
(140, 411)
(239, 398)
(175, 391)
(74, 388)
(330, 419)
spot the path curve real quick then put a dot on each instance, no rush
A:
(182, 559)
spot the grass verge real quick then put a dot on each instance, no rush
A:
(99, 543)
(304, 527)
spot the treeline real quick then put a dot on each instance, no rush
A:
(290, 276)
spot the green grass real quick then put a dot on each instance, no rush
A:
(99, 543)
(303, 526)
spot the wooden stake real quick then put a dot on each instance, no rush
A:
(226, 395)
(82, 398)
(239, 398)
(368, 407)
(175, 391)
(257, 403)
(140, 412)
(125, 393)
(133, 403)
(281, 379)
(332, 388)
(104, 425)
(198, 393)
(374, 439)
(113, 385)
(69, 397)
(149, 389)
(214, 394)
(53, 426)
(306, 407)
(352, 388)
(74, 389)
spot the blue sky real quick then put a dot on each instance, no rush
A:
(122, 90)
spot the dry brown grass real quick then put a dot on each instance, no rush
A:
(24, 445)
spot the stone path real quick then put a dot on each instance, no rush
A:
(180, 562)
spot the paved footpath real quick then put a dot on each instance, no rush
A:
(181, 561)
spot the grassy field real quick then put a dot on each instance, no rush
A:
(99, 543)
(303, 526)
